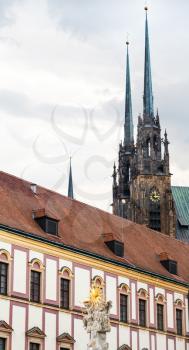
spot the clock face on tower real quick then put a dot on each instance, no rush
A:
(155, 196)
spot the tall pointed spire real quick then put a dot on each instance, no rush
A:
(148, 94)
(70, 183)
(128, 127)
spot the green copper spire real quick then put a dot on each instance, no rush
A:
(128, 127)
(148, 94)
(70, 183)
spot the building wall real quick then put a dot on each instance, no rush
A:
(22, 315)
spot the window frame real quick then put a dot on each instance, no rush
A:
(178, 310)
(160, 300)
(5, 333)
(139, 313)
(6, 258)
(160, 321)
(65, 341)
(124, 289)
(35, 343)
(37, 266)
(143, 296)
(4, 274)
(180, 306)
(66, 274)
(64, 290)
(123, 306)
(5, 341)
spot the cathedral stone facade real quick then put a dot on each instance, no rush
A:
(142, 183)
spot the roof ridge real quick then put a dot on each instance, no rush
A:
(67, 198)
(120, 219)
(177, 186)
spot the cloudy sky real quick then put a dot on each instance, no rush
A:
(62, 78)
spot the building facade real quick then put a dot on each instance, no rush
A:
(142, 182)
(53, 249)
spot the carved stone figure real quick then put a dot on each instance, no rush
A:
(96, 319)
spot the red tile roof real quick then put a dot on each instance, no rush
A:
(85, 227)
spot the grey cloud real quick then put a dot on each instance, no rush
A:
(85, 18)
(5, 14)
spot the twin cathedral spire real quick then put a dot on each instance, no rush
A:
(142, 181)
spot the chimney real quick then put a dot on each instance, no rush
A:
(33, 188)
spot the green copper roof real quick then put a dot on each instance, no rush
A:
(181, 199)
(128, 137)
(148, 94)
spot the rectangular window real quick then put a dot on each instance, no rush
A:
(2, 343)
(65, 293)
(35, 286)
(179, 321)
(34, 346)
(52, 227)
(142, 312)
(3, 278)
(160, 317)
(123, 308)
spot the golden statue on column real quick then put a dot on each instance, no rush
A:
(96, 318)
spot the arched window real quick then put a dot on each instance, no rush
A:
(66, 276)
(160, 311)
(148, 147)
(179, 317)
(5, 267)
(155, 144)
(124, 347)
(124, 292)
(36, 280)
(98, 281)
(142, 302)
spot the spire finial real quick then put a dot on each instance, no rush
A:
(127, 40)
(70, 182)
(128, 127)
(148, 94)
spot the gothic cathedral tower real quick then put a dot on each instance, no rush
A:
(142, 182)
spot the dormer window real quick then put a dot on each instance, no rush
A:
(168, 263)
(117, 247)
(47, 222)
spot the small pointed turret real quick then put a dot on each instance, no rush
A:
(148, 93)
(70, 183)
(166, 143)
(114, 175)
(128, 127)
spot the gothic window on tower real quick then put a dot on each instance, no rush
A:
(154, 210)
(148, 147)
(155, 143)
